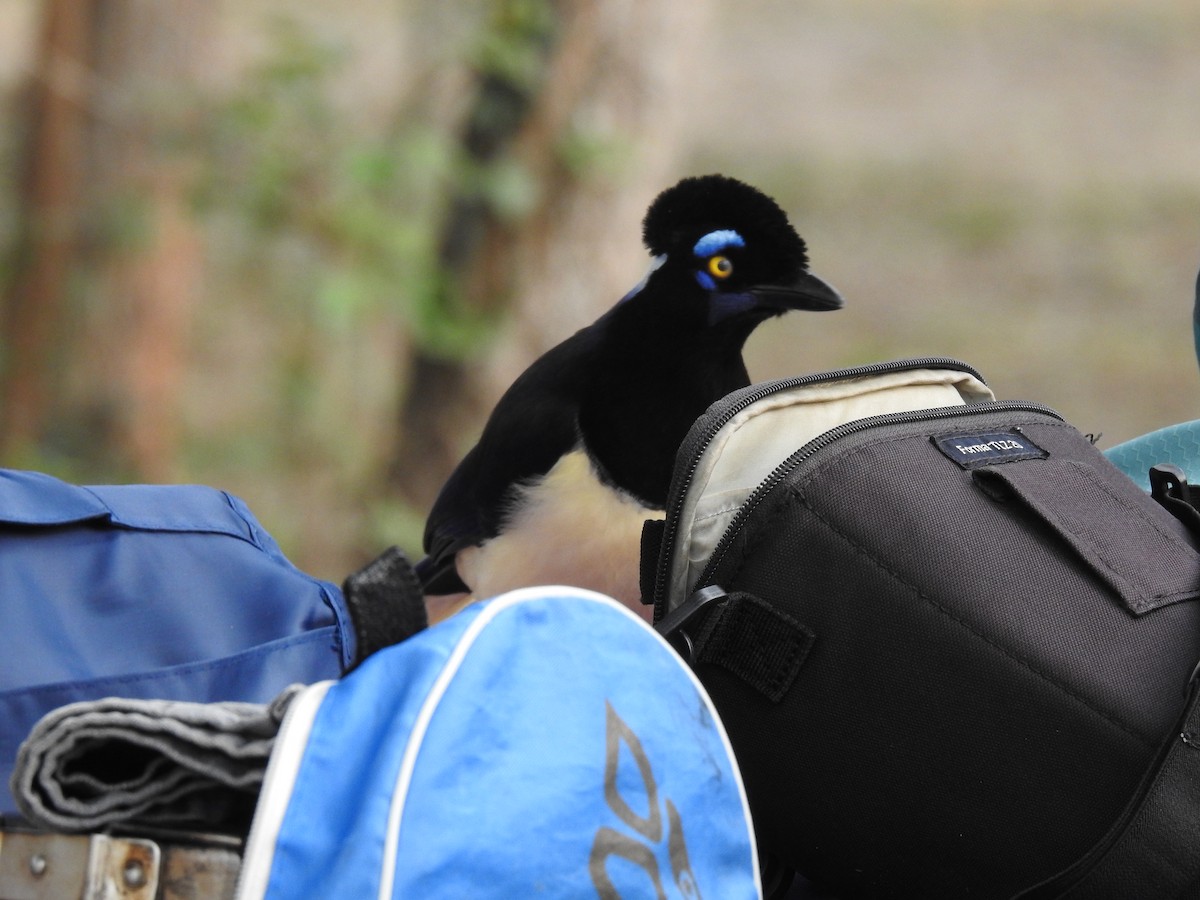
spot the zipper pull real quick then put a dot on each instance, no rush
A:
(673, 624)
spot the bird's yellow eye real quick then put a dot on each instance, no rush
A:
(720, 266)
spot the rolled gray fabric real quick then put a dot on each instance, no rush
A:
(161, 763)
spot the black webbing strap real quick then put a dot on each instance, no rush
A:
(743, 634)
(756, 642)
(653, 531)
(1158, 855)
(1153, 851)
(385, 602)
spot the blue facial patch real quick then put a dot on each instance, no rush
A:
(716, 241)
(706, 281)
(725, 305)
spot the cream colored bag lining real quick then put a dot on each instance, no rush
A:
(725, 476)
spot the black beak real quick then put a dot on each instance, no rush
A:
(806, 292)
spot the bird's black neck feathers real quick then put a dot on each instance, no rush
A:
(657, 374)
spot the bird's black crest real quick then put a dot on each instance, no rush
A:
(710, 202)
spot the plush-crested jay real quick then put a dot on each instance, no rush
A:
(579, 451)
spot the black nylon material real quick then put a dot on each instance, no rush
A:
(1151, 850)
(979, 705)
(756, 642)
(1158, 856)
(385, 602)
(1145, 564)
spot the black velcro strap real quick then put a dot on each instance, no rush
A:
(756, 642)
(386, 603)
(653, 531)
(1128, 543)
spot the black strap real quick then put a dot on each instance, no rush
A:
(1153, 851)
(741, 633)
(653, 532)
(1158, 855)
(386, 603)
(756, 642)
(1169, 486)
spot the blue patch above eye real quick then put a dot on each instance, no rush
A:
(716, 241)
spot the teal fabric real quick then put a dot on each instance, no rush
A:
(1176, 444)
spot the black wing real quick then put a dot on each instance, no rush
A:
(532, 427)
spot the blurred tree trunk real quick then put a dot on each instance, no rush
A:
(98, 312)
(35, 303)
(596, 134)
(148, 58)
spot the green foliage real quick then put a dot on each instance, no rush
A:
(978, 224)
(394, 523)
(341, 217)
(328, 229)
(587, 152)
(347, 220)
(512, 47)
(487, 184)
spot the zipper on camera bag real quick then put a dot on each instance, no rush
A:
(696, 443)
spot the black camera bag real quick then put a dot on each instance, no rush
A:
(953, 646)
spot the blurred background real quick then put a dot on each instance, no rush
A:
(296, 251)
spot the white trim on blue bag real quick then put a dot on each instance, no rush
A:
(387, 878)
(273, 799)
(421, 725)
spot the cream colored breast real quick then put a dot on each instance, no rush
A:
(566, 528)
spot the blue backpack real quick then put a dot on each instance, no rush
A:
(167, 592)
(544, 743)
(547, 742)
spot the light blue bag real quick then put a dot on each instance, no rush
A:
(544, 743)
(1177, 444)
